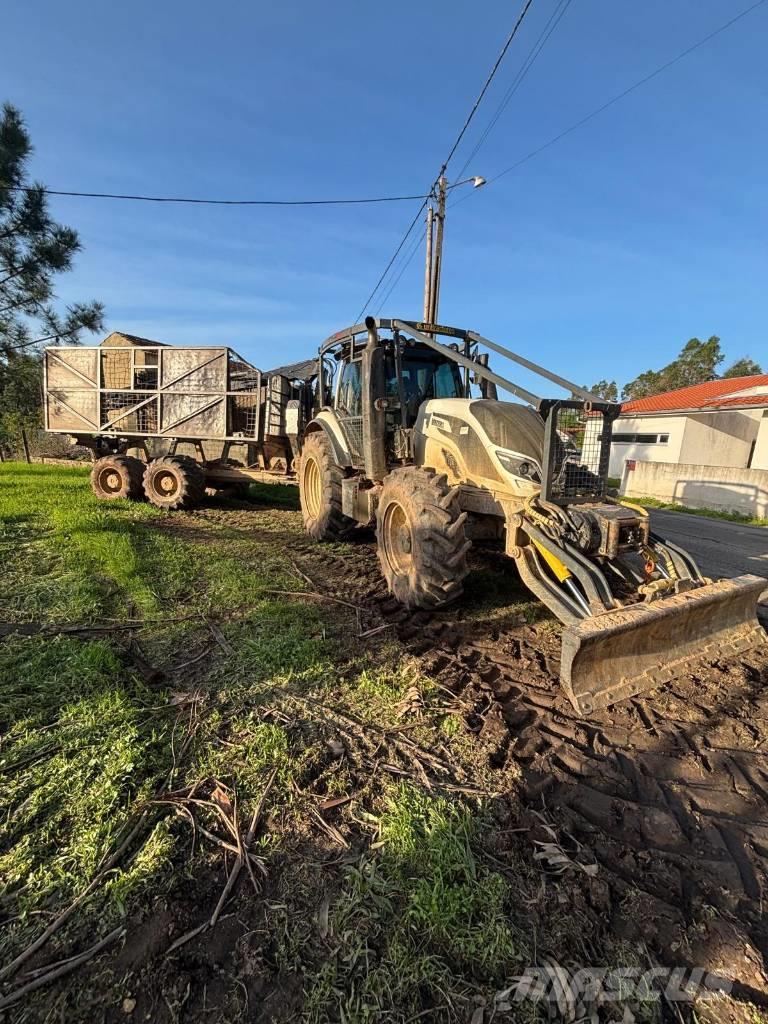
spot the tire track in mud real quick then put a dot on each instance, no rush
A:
(668, 790)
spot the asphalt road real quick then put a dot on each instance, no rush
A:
(719, 547)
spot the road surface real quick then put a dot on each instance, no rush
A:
(719, 547)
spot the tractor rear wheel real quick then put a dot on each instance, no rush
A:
(320, 490)
(421, 541)
(174, 482)
(118, 476)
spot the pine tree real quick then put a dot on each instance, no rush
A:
(33, 250)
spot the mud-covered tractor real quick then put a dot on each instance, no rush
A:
(398, 441)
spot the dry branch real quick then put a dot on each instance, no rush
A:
(64, 967)
(315, 596)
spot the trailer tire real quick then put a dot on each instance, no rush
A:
(174, 482)
(118, 476)
(320, 490)
(422, 545)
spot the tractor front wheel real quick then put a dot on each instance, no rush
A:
(320, 490)
(421, 541)
(174, 482)
(118, 476)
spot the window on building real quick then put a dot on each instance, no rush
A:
(640, 438)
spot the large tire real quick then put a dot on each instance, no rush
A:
(421, 540)
(320, 490)
(118, 476)
(174, 482)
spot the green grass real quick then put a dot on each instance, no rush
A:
(709, 513)
(85, 739)
(412, 919)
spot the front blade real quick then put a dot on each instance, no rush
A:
(612, 656)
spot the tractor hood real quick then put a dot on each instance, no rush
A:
(510, 426)
(482, 442)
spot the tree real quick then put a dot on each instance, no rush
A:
(697, 362)
(744, 367)
(605, 389)
(34, 248)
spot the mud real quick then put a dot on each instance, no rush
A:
(668, 791)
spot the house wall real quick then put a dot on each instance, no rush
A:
(725, 488)
(722, 438)
(669, 452)
(760, 454)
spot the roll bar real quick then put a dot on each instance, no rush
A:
(426, 334)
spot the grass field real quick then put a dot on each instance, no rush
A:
(223, 803)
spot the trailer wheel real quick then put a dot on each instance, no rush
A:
(118, 476)
(421, 541)
(174, 482)
(320, 490)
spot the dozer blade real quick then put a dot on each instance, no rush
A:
(614, 655)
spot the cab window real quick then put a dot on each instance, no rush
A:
(349, 401)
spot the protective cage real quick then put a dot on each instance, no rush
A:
(577, 450)
(158, 391)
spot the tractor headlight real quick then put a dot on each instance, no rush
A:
(519, 466)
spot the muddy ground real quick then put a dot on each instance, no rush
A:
(668, 791)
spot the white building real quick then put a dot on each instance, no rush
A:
(719, 423)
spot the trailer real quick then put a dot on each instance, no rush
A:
(164, 402)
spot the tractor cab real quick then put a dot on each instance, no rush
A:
(374, 392)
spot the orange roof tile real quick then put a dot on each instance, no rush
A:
(713, 394)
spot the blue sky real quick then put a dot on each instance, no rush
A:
(598, 258)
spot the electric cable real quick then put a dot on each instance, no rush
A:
(213, 202)
(444, 166)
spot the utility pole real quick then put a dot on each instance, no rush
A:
(437, 263)
(434, 261)
(428, 267)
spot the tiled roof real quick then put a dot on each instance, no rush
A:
(713, 394)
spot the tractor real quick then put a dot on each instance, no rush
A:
(398, 441)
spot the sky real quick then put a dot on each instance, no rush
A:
(598, 258)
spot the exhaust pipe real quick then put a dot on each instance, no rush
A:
(374, 405)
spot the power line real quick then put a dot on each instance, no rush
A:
(214, 202)
(396, 253)
(609, 103)
(447, 160)
(488, 81)
(554, 20)
(625, 92)
(406, 262)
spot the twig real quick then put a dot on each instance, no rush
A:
(192, 661)
(63, 968)
(330, 830)
(313, 595)
(260, 808)
(187, 937)
(303, 575)
(220, 639)
(240, 857)
(376, 629)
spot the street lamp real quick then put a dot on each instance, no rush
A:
(434, 260)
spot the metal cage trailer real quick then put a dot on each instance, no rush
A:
(242, 424)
